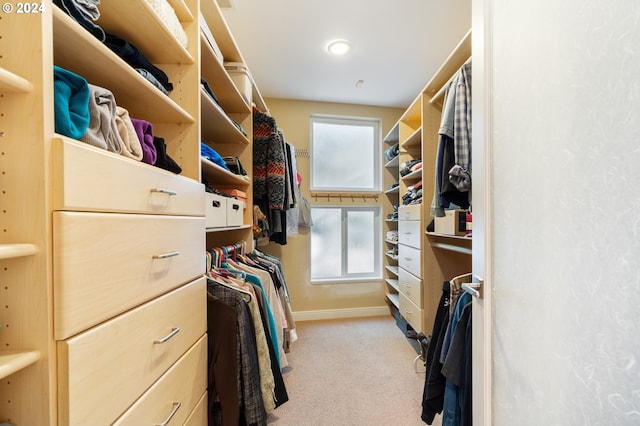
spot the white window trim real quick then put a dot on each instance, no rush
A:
(375, 276)
(350, 120)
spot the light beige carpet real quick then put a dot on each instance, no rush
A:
(351, 372)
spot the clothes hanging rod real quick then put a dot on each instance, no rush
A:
(344, 196)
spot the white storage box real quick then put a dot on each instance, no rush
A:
(215, 210)
(454, 222)
(409, 212)
(235, 212)
(241, 78)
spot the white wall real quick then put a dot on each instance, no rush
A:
(565, 121)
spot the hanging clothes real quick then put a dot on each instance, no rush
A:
(222, 410)
(434, 384)
(254, 304)
(447, 387)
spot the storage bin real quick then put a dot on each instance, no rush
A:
(240, 195)
(241, 78)
(235, 212)
(454, 222)
(410, 212)
(215, 210)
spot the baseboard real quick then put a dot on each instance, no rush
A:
(373, 311)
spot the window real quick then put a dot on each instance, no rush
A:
(346, 244)
(345, 154)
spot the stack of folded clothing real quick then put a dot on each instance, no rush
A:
(413, 194)
(394, 215)
(85, 13)
(89, 113)
(410, 166)
(132, 56)
(392, 152)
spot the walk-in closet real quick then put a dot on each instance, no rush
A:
(250, 212)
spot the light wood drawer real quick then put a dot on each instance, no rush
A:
(199, 415)
(90, 179)
(172, 398)
(411, 286)
(107, 263)
(410, 212)
(411, 312)
(410, 233)
(410, 259)
(102, 371)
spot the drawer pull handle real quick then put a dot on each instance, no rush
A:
(408, 259)
(164, 191)
(176, 406)
(165, 255)
(215, 203)
(236, 206)
(174, 331)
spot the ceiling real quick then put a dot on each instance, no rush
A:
(396, 45)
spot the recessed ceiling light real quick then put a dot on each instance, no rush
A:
(338, 47)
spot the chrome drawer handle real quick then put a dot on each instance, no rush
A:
(164, 191)
(174, 331)
(176, 406)
(165, 255)
(408, 259)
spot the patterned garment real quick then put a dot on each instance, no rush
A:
(269, 163)
(461, 178)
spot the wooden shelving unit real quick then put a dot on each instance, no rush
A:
(441, 257)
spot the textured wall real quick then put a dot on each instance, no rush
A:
(566, 199)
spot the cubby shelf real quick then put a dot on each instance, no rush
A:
(215, 173)
(152, 37)
(216, 126)
(104, 68)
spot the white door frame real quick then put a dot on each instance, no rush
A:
(482, 207)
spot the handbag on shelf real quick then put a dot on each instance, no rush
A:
(234, 165)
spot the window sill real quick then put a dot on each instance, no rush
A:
(331, 281)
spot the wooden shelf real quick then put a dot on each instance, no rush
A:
(393, 163)
(229, 228)
(182, 11)
(220, 81)
(216, 126)
(395, 190)
(460, 54)
(413, 176)
(14, 361)
(394, 299)
(453, 237)
(453, 243)
(393, 269)
(10, 251)
(137, 22)
(414, 140)
(391, 242)
(393, 136)
(393, 283)
(217, 175)
(102, 67)
(10, 82)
